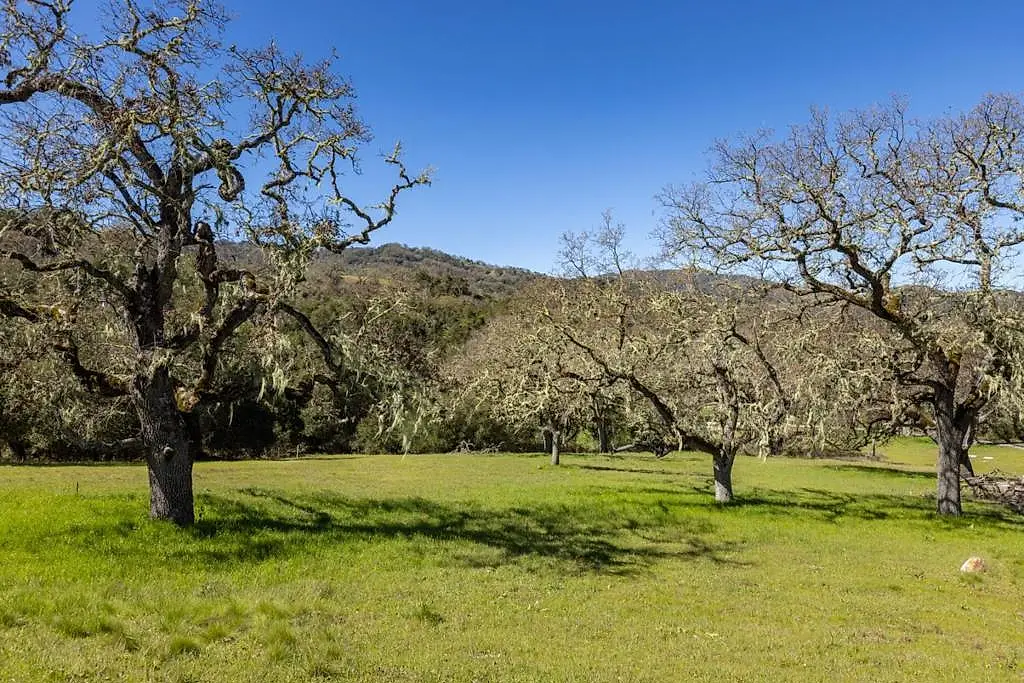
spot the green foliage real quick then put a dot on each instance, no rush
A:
(46, 414)
(386, 397)
(268, 403)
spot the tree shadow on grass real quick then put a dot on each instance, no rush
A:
(831, 505)
(882, 471)
(794, 503)
(834, 507)
(263, 524)
(828, 505)
(626, 470)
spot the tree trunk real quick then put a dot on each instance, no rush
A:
(168, 452)
(601, 426)
(555, 457)
(723, 476)
(548, 438)
(725, 455)
(966, 468)
(948, 471)
(604, 444)
(952, 429)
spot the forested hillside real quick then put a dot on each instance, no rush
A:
(436, 270)
(396, 313)
(177, 282)
(432, 352)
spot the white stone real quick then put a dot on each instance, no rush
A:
(973, 564)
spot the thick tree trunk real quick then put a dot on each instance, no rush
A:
(952, 432)
(169, 455)
(723, 476)
(949, 477)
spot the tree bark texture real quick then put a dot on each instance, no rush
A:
(551, 437)
(951, 433)
(168, 452)
(723, 477)
(725, 454)
(604, 444)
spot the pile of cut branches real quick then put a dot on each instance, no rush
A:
(999, 487)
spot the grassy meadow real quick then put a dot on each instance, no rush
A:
(504, 568)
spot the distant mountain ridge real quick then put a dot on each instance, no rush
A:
(394, 258)
(398, 261)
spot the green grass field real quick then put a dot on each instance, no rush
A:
(503, 568)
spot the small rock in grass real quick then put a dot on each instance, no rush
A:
(973, 565)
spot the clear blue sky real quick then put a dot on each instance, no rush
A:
(539, 115)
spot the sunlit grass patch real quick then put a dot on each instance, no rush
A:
(504, 568)
(922, 452)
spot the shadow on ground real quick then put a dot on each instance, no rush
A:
(883, 471)
(835, 507)
(622, 468)
(825, 504)
(260, 524)
(605, 526)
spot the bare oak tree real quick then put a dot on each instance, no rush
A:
(689, 369)
(517, 371)
(911, 223)
(126, 157)
(716, 364)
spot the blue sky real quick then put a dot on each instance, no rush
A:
(537, 116)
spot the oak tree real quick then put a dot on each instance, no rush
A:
(913, 224)
(517, 371)
(127, 158)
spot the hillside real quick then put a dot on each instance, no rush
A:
(396, 258)
(394, 261)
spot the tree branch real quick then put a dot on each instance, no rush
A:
(102, 274)
(94, 381)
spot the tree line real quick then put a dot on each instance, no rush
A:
(849, 278)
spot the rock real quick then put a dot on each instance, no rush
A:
(973, 565)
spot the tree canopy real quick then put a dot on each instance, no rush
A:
(127, 156)
(858, 209)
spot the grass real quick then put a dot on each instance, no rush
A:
(503, 568)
